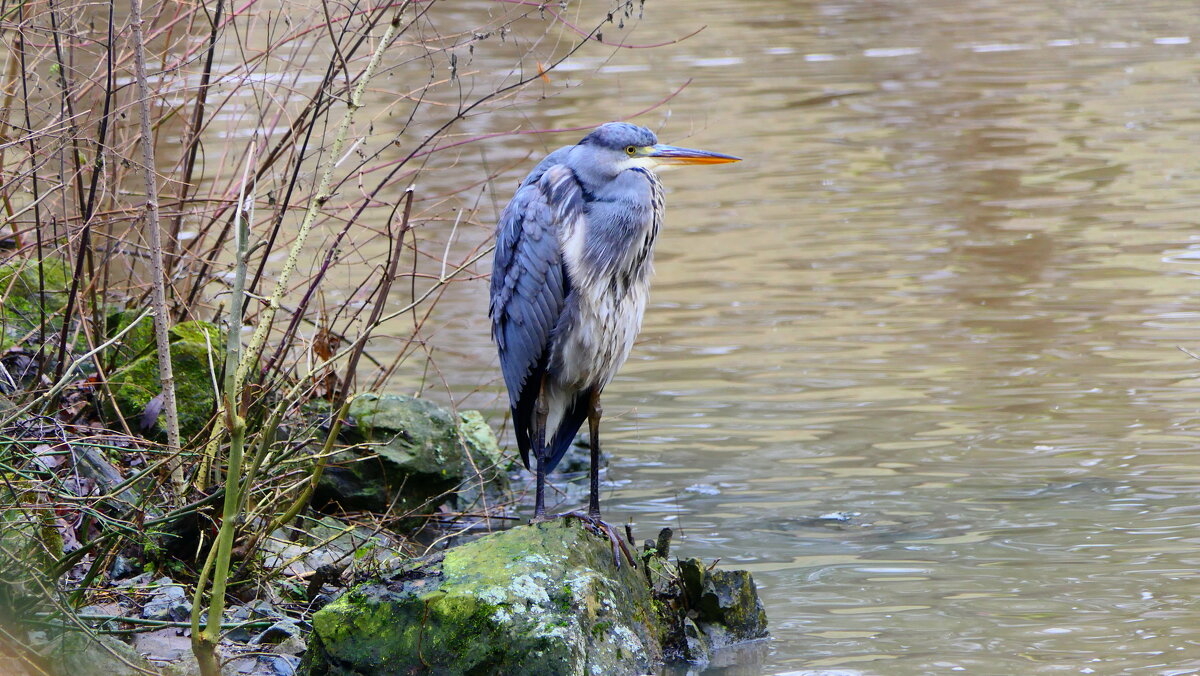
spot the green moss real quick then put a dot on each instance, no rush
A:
(409, 455)
(192, 363)
(20, 288)
(539, 599)
(24, 301)
(197, 332)
(523, 601)
(135, 343)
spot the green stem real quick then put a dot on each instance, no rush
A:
(216, 607)
(315, 477)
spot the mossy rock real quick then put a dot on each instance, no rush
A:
(725, 603)
(30, 543)
(410, 455)
(192, 357)
(137, 342)
(22, 302)
(539, 599)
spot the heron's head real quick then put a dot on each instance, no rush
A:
(618, 146)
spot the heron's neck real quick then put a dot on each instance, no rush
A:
(624, 216)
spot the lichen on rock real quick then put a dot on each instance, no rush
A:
(538, 599)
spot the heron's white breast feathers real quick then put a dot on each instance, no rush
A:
(604, 317)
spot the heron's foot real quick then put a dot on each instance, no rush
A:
(602, 528)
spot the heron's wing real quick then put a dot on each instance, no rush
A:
(530, 285)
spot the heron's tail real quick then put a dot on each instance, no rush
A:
(568, 427)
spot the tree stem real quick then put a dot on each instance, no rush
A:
(162, 319)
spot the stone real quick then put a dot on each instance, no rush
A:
(729, 601)
(168, 602)
(486, 474)
(720, 608)
(696, 647)
(410, 456)
(279, 665)
(122, 567)
(33, 291)
(536, 599)
(285, 635)
(196, 348)
(237, 616)
(74, 653)
(163, 645)
(90, 463)
(139, 580)
(328, 541)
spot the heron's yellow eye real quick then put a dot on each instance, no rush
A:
(631, 150)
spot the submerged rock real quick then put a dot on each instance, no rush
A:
(723, 609)
(410, 455)
(538, 599)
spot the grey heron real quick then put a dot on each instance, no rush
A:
(570, 279)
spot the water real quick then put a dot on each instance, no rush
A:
(915, 362)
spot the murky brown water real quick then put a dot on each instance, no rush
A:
(914, 362)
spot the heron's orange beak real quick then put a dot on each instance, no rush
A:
(664, 154)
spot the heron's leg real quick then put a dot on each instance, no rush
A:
(594, 412)
(541, 411)
(592, 517)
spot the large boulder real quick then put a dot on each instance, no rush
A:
(538, 599)
(410, 455)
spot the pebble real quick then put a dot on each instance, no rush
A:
(169, 602)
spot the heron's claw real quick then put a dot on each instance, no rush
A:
(602, 528)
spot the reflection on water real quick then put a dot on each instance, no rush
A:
(914, 362)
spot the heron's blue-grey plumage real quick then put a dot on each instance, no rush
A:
(574, 253)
